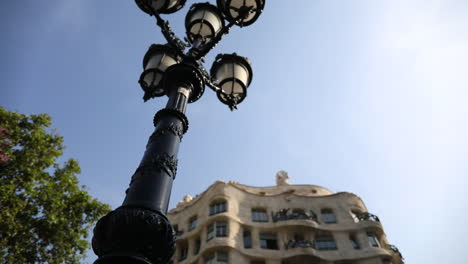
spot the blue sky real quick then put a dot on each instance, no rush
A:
(361, 96)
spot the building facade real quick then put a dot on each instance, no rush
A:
(284, 224)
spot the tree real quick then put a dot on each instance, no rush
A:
(45, 215)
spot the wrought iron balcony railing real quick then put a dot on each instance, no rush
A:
(396, 251)
(299, 244)
(288, 214)
(367, 216)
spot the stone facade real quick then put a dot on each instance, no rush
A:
(284, 224)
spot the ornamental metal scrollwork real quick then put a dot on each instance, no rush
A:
(367, 216)
(299, 244)
(165, 162)
(172, 128)
(171, 36)
(286, 214)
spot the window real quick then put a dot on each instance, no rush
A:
(328, 217)
(177, 231)
(196, 250)
(192, 222)
(247, 239)
(354, 215)
(217, 229)
(354, 242)
(217, 258)
(373, 239)
(183, 252)
(218, 207)
(259, 215)
(325, 242)
(298, 237)
(268, 241)
(387, 261)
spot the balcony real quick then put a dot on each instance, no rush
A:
(299, 244)
(396, 251)
(288, 214)
(367, 216)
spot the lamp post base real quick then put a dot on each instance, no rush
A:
(121, 260)
(133, 236)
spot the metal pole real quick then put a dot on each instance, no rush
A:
(138, 232)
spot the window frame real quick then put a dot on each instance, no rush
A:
(325, 242)
(214, 258)
(213, 230)
(354, 242)
(247, 238)
(260, 215)
(268, 241)
(328, 216)
(192, 220)
(183, 252)
(197, 247)
(218, 207)
(373, 239)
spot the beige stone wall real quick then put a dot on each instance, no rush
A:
(240, 201)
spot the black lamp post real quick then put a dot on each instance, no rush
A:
(138, 232)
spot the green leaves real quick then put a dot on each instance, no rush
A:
(46, 215)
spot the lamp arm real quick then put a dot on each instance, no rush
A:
(198, 53)
(213, 86)
(168, 34)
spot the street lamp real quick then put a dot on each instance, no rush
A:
(138, 232)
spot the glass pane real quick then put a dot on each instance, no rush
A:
(325, 243)
(193, 223)
(247, 239)
(328, 216)
(197, 246)
(225, 71)
(210, 231)
(154, 61)
(166, 62)
(221, 229)
(235, 4)
(354, 243)
(222, 257)
(373, 239)
(210, 259)
(200, 28)
(171, 2)
(241, 73)
(259, 215)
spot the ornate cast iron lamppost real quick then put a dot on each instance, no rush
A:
(138, 232)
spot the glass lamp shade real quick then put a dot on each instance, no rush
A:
(203, 22)
(233, 10)
(156, 61)
(233, 74)
(160, 6)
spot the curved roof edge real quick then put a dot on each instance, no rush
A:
(262, 191)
